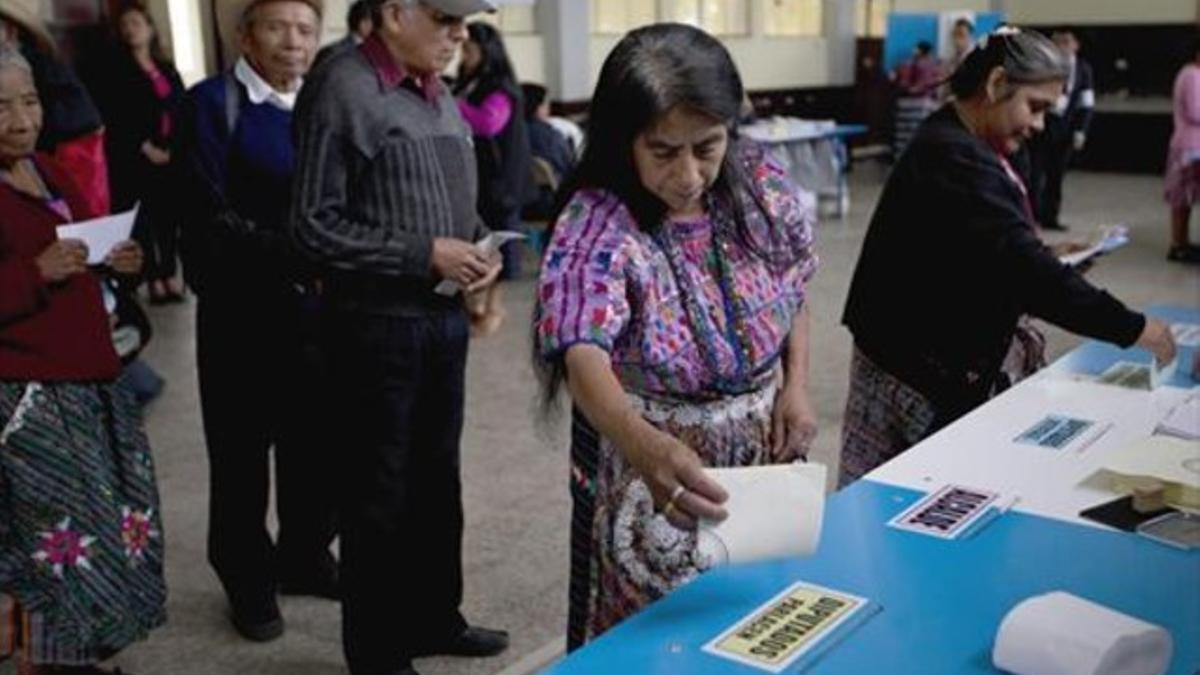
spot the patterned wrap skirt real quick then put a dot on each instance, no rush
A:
(81, 545)
(884, 416)
(624, 555)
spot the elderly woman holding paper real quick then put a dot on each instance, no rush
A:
(80, 534)
(673, 302)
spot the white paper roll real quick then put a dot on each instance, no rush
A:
(775, 511)
(1063, 634)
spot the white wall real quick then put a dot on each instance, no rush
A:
(528, 55)
(946, 5)
(1102, 11)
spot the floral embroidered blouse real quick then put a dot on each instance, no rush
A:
(688, 311)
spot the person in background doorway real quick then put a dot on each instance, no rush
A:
(139, 96)
(1065, 133)
(358, 27)
(1183, 160)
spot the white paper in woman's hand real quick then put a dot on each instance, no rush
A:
(775, 511)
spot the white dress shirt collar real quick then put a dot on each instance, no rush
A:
(260, 90)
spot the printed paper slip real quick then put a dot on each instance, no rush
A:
(945, 514)
(786, 627)
(489, 245)
(101, 234)
(1054, 431)
(1127, 374)
(1107, 238)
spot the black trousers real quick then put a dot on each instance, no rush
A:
(262, 386)
(400, 384)
(1051, 155)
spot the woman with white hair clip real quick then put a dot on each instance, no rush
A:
(81, 549)
(952, 260)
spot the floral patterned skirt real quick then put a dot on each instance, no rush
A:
(624, 555)
(81, 547)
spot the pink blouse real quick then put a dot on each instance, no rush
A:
(490, 117)
(688, 311)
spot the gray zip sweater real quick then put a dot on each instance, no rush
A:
(380, 173)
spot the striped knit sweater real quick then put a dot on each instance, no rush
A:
(380, 173)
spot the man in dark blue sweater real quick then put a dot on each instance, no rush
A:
(261, 384)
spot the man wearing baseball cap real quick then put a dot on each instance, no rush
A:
(260, 378)
(384, 202)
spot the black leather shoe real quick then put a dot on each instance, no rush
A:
(258, 621)
(473, 641)
(1057, 227)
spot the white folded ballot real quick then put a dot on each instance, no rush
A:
(1063, 634)
(489, 245)
(775, 511)
(101, 234)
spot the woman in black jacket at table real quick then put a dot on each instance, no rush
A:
(952, 260)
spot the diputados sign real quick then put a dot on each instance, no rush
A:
(786, 627)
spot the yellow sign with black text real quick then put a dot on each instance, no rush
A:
(786, 627)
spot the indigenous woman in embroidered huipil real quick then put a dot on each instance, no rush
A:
(80, 533)
(672, 300)
(952, 261)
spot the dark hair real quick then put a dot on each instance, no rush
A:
(156, 51)
(963, 22)
(650, 72)
(359, 10)
(924, 47)
(495, 71)
(1027, 57)
(535, 96)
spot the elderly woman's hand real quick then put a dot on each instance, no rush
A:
(125, 258)
(793, 424)
(677, 482)
(62, 259)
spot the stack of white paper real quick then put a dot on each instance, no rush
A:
(774, 511)
(1062, 634)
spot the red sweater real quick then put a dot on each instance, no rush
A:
(48, 332)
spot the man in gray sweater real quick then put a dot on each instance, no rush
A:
(384, 202)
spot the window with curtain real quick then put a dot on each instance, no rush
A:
(870, 17)
(718, 17)
(617, 17)
(511, 19)
(792, 17)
